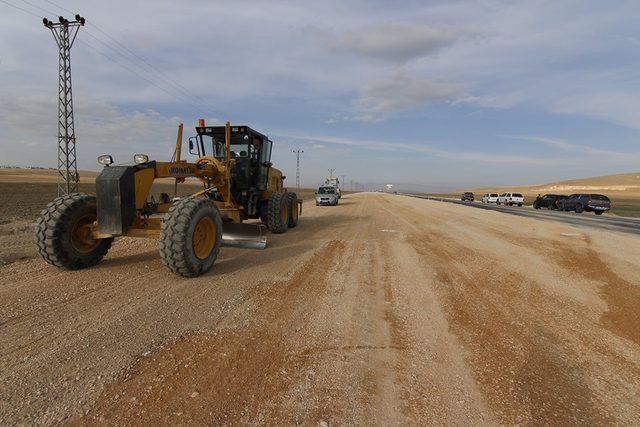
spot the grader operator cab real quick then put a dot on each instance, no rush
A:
(238, 183)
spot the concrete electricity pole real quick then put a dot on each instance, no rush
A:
(65, 32)
(298, 152)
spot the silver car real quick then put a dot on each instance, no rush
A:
(327, 195)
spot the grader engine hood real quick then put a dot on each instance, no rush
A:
(116, 199)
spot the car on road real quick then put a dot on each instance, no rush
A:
(467, 197)
(490, 198)
(327, 195)
(549, 201)
(596, 203)
(510, 199)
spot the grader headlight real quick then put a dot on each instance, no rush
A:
(105, 160)
(140, 158)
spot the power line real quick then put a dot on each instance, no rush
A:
(60, 7)
(131, 70)
(172, 85)
(196, 101)
(48, 12)
(204, 107)
(19, 8)
(119, 53)
(139, 57)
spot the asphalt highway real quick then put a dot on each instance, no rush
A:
(585, 219)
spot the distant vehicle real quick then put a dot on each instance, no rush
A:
(596, 203)
(490, 198)
(510, 199)
(467, 197)
(327, 195)
(335, 182)
(549, 201)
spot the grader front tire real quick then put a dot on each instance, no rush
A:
(64, 236)
(278, 213)
(191, 236)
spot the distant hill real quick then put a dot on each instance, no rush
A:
(397, 186)
(622, 184)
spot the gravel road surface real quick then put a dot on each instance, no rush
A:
(383, 310)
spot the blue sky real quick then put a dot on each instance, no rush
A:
(440, 93)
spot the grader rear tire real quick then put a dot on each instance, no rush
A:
(191, 236)
(292, 199)
(278, 213)
(63, 233)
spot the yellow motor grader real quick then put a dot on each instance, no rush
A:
(238, 183)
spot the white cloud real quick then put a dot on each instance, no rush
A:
(424, 149)
(612, 105)
(317, 65)
(398, 41)
(401, 91)
(584, 151)
(30, 122)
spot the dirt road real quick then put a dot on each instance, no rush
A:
(382, 310)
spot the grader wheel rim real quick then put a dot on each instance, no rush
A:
(294, 211)
(204, 237)
(81, 237)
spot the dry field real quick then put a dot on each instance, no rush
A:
(383, 310)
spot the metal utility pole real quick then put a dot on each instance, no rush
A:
(298, 152)
(343, 181)
(65, 32)
(331, 172)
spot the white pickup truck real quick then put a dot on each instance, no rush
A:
(510, 199)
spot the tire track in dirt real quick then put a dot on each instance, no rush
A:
(592, 375)
(233, 370)
(437, 386)
(521, 364)
(374, 321)
(379, 311)
(580, 260)
(73, 352)
(622, 298)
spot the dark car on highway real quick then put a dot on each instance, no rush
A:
(596, 203)
(549, 201)
(467, 197)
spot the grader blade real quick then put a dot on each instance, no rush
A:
(248, 236)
